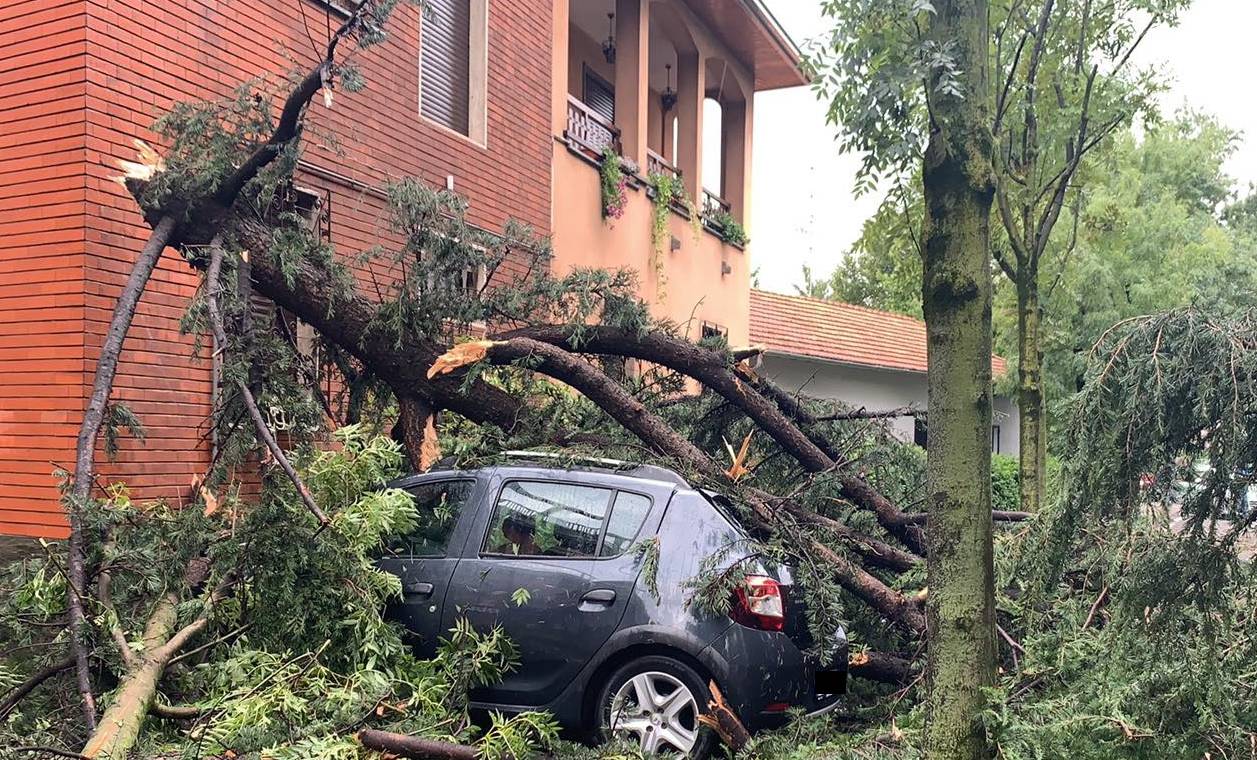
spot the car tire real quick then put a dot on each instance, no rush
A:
(680, 696)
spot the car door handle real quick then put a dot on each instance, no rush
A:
(417, 589)
(598, 598)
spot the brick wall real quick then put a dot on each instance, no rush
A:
(137, 57)
(43, 86)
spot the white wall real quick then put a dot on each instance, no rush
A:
(875, 390)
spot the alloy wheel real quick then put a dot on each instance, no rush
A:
(658, 710)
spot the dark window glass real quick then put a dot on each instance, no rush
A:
(439, 505)
(535, 519)
(627, 516)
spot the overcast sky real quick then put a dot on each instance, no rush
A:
(803, 209)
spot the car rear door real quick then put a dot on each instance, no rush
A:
(550, 592)
(425, 559)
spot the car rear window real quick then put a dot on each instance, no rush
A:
(627, 516)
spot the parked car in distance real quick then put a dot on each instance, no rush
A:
(597, 648)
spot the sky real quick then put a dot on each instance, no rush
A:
(803, 210)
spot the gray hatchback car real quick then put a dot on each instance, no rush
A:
(598, 648)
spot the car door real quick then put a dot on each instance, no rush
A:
(426, 558)
(542, 536)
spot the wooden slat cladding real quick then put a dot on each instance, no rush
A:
(445, 87)
(80, 81)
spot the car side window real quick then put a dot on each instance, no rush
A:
(547, 519)
(627, 516)
(439, 506)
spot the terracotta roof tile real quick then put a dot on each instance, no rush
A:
(841, 332)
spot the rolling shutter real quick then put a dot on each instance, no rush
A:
(445, 63)
(599, 95)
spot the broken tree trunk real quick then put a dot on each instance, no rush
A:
(721, 718)
(119, 727)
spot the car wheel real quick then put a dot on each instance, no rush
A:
(655, 702)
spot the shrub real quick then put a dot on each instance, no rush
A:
(1005, 480)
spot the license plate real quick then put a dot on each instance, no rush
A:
(831, 681)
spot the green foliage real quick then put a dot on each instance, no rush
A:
(665, 189)
(883, 268)
(647, 553)
(118, 415)
(300, 651)
(1150, 239)
(730, 229)
(613, 183)
(1005, 494)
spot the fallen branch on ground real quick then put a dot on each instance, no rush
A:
(415, 747)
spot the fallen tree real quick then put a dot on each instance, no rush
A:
(846, 534)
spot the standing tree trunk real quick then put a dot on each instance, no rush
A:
(956, 296)
(1030, 403)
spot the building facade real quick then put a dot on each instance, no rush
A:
(486, 97)
(870, 360)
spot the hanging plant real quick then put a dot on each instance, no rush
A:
(731, 231)
(614, 184)
(667, 188)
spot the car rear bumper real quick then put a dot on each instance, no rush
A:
(763, 674)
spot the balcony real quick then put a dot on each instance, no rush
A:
(588, 132)
(668, 86)
(651, 80)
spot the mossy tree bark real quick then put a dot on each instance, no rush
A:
(1030, 400)
(959, 187)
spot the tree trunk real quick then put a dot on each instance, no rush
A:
(956, 296)
(418, 430)
(1030, 403)
(120, 726)
(85, 448)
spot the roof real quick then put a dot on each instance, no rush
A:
(841, 332)
(755, 36)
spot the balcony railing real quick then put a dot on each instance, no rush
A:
(588, 131)
(714, 205)
(657, 164)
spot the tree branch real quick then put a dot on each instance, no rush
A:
(712, 370)
(246, 395)
(554, 362)
(32, 682)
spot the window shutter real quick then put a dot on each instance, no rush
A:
(599, 96)
(445, 63)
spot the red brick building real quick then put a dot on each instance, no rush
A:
(80, 80)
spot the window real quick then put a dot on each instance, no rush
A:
(995, 439)
(535, 519)
(598, 94)
(453, 62)
(472, 280)
(712, 330)
(920, 433)
(627, 516)
(439, 505)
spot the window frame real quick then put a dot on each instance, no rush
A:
(483, 552)
(458, 518)
(477, 79)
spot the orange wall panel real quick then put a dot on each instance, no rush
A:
(80, 81)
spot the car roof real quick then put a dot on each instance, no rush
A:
(539, 464)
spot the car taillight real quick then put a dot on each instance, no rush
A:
(759, 602)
